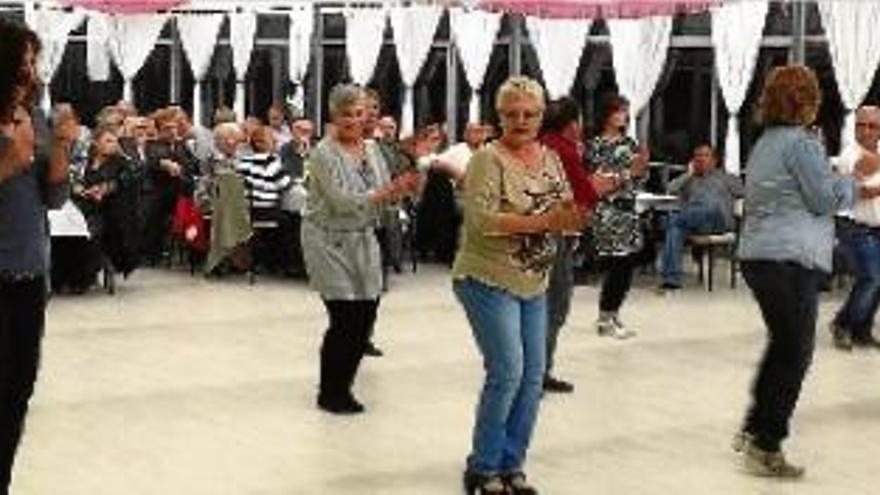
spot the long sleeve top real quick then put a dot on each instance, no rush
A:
(791, 197)
(339, 243)
(573, 163)
(715, 189)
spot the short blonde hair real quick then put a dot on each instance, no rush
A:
(519, 86)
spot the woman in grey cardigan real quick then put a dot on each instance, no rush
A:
(785, 248)
(347, 189)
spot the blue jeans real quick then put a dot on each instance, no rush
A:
(680, 224)
(511, 334)
(857, 313)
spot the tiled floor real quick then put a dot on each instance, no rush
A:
(183, 386)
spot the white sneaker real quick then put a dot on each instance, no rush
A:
(620, 331)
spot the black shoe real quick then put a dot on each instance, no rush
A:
(669, 286)
(518, 485)
(841, 336)
(373, 351)
(340, 405)
(555, 385)
(481, 484)
(870, 342)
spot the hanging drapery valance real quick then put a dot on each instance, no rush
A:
(594, 9)
(474, 33)
(125, 6)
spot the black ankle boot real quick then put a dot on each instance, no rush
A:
(518, 485)
(345, 404)
(481, 484)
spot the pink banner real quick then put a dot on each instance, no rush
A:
(125, 6)
(594, 9)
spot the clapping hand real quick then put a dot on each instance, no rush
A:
(605, 184)
(65, 125)
(640, 162)
(565, 217)
(19, 156)
(408, 183)
(867, 166)
(171, 167)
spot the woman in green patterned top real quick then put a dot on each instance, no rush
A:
(516, 194)
(616, 227)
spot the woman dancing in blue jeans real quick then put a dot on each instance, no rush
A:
(516, 196)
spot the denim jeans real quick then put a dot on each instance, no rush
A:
(694, 218)
(511, 335)
(857, 313)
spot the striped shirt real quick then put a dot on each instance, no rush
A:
(265, 179)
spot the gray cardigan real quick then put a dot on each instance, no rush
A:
(791, 197)
(339, 242)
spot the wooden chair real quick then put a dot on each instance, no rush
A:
(708, 246)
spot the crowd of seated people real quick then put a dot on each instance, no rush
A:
(141, 180)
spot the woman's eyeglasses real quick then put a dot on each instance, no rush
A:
(528, 116)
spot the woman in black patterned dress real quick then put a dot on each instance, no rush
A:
(616, 227)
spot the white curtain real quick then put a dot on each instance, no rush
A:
(97, 47)
(559, 44)
(242, 34)
(737, 29)
(53, 27)
(639, 48)
(363, 41)
(854, 43)
(198, 35)
(132, 38)
(414, 28)
(474, 32)
(302, 25)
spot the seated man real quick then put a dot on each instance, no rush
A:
(707, 195)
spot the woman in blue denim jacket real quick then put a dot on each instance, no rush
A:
(785, 248)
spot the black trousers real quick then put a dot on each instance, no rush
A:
(22, 316)
(617, 281)
(351, 324)
(158, 211)
(788, 295)
(559, 293)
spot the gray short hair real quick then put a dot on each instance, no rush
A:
(226, 129)
(343, 96)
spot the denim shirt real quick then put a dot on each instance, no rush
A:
(791, 198)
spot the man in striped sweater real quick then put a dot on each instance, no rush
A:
(266, 181)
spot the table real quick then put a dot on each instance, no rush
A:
(68, 222)
(646, 201)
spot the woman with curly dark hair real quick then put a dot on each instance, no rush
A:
(33, 177)
(785, 249)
